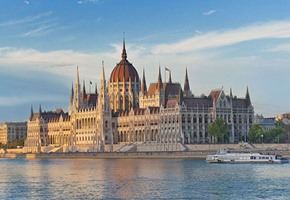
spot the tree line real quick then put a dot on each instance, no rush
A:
(218, 131)
(13, 144)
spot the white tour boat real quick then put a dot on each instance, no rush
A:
(227, 157)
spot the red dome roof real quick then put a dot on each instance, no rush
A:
(124, 71)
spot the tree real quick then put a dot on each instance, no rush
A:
(255, 133)
(287, 131)
(218, 130)
(275, 135)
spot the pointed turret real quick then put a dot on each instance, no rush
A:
(31, 113)
(72, 94)
(103, 73)
(186, 84)
(40, 111)
(248, 99)
(124, 53)
(77, 92)
(143, 86)
(170, 80)
(84, 94)
(159, 84)
(231, 93)
(103, 99)
(77, 76)
(103, 82)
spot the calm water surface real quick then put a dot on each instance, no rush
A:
(140, 179)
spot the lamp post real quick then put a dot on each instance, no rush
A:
(262, 138)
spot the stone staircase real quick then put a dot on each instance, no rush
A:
(56, 149)
(128, 148)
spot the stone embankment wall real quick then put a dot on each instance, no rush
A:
(131, 155)
(198, 151)
(122, 155)
(216, 147)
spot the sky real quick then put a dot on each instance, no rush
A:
(223, 44)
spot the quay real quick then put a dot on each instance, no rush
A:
(130, 155)
(111, 155)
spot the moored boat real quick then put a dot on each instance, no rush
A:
(227, 157)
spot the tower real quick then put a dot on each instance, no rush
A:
(104, 117)
(143, 85)
(248, 99)
(186, 87)
(76, 98)
(124, 85)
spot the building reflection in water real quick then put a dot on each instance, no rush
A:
(139, 179)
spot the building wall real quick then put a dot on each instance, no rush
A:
(10, 131)
(37, 135)
(123, 95)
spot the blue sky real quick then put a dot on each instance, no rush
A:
(229, 44)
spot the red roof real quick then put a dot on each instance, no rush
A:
(214, 94)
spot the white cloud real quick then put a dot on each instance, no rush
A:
(27, 19)
(206, 70)
(210, 12)
(198, 31)
(61, 62)
(275, 29)
(88, 1)
(281, 48)
(39, 31)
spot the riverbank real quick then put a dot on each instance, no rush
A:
(110, 155)
(130, 155)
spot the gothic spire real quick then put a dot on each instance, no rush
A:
(40, 111)
(248, 99)
(103, 71)
(143, 86)
(170, 80)
(124, 53)
(77, 76)
(84, 94)
(103, 81)
(231, 93)
(31, 113)
(186, 84)
(159, 84)
(72, 93)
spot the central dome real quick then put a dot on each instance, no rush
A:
(124, 71)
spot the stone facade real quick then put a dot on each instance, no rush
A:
(11, 131)
(124, 111)
(265, 123)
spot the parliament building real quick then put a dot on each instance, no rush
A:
(126, 114)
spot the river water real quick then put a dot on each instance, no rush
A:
(141, 179)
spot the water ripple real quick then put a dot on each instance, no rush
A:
(140, 179)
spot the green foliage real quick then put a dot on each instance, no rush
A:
(274, 135)
(13, 144)
(255, 133)
(218, 130)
